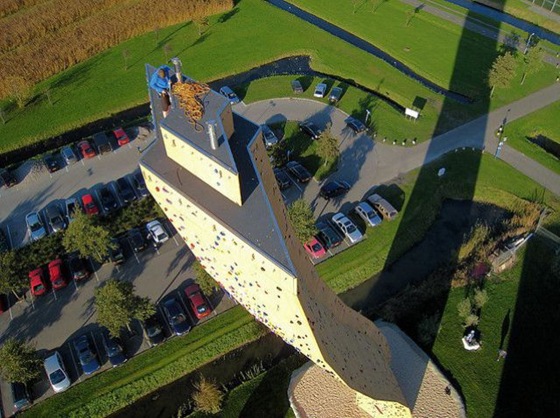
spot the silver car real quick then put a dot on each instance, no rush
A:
(68, 155)
(347, 227)
(230, 94)
(368, 214)
(35, 226)
(269, 138)
(55, 219)
(58, 378)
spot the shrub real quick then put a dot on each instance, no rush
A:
(480, 298)
(205, 281)
(464, 308)
(471, 321)
(474, 241)
(207, 397)
(428, 328)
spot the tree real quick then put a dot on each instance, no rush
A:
(117, 306)
(480, 298)
(18, 88)
(205, 281)
(19, 361)
(302, 220)
(207, 397)
(533, 60)
(126, 57)
(10, 280)
(502, 71)
(202, 24)
(328, 149)
(464, 308)
(471, 321)
(89, 239)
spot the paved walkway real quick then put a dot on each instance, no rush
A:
(365, 162)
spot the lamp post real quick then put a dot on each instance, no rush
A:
(528, 43)
(367, 116)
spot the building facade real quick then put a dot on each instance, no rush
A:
(213, 179)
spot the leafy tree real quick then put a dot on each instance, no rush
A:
(207, 397)
(10, 277)
(204, 280)
(117, 306)
(471, 320)
(480, 298)
(534, 61)
(19, 89)
(328, 149)
(89, 239)
(464, 308)
(502, 71)
(302, 220)
(202, 24)
(19, 361)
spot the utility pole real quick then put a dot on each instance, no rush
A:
(367, 116)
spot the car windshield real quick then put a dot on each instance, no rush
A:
(161, 237)
(57, 376)
(38, 287)
(178, 319)
(231, 95)
(371, 215)
(349, 227)
(201, 308)
(153, 331)
(35, 226)
(316, 247)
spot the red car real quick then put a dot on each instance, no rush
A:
(86, 149)
(198, 303)
(37, 282)
(89, 205)
(314, 248)
(121, 136)
(58, 281)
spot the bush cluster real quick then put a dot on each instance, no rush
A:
(8, 7)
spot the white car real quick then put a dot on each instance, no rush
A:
(229, 94)
(156, 232)
(320, 90)
(368, 214)
(347, 227)
(54, 366)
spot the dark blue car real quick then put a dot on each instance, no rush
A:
(176, 317)
(86, 354)
(113, 348)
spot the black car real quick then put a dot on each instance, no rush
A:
(282, 178)
(140, 185)
(7, 178)
(52, 163)
(335, 95)
(298, 171)
(154, 330)
(20, 396)
(297, 87)
(108, 200)
(356, 125)
(124, 190)
(101, 141)
(77, 267)
(136, 240)
(327, 235)
(113, 348)
(116, 254)
(310, 129)
(176, 316)
(334, 188)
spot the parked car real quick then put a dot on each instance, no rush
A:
(197, 301)
(4, 245)
(333, 189)
(86, 149)
(336, 94)
(87, 357)
(356, 125)
(154, 330)
(121, 137)
(136, 240)
(310, 129)
(52, 163)
(297, 87)
(7, 178)
(35, 226)
(20, 396)
(282, 178)
(368, 214)
(140, 185)
(108, 201)
(37, 282)
(101, 141)
(327, 235)
(230, 94)
(125, 191)
(314, 248)
(56, 372)
(176, 316)
(56, 274)
(347, 227)
(68, 155)
(55, 219)
(116, 254)
(156, 232)
(320, 90)
(77, 267)
(268, 136)
(113, 348)
(72, 206)
(89, 205)
(298, 171)
(383, 207)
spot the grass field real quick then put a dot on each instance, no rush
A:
(542, 122)
(522, 10)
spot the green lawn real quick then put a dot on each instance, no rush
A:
(544, 122)
(116, 388)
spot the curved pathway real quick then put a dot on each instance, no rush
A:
(365, 163)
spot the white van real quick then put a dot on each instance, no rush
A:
(383, 207)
